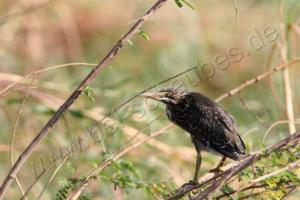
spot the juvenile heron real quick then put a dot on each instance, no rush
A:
(211, 128)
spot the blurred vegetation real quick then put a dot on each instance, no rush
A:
(38, 34)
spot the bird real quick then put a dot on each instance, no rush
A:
(211, 128)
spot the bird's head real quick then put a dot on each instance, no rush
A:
(169, 96)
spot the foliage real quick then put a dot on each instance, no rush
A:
(125, 175)
(66, 186)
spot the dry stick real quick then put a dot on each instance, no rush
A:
(289, 192)
(76, 193)
(13, 137)
(286, 76)
(52, 176)
(237, 167)
(34, 182)
(297, 121)
(39, 176)
(41, 71)
(256, 79)
(107, 59)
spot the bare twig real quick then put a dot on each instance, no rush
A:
(52, 176)
(13, 137)
(257, 79)
(289, 192)
(297, 121)
(77, 92)
(76, 193)
(8, 87)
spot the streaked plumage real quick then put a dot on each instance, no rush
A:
(210, 126)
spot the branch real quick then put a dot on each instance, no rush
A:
(288, 167)
(106, 60)
(230, 170)
(257, 79)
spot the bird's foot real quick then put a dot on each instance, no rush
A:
(216, 170)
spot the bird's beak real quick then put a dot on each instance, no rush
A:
(155, 95)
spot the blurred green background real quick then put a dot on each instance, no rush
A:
(38, 34)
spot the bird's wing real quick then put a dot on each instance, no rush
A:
(231, 132)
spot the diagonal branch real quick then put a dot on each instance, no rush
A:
(230, 170)
(106, 60)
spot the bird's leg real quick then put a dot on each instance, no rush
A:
(217, 168)
(198, 164)
(195, 180)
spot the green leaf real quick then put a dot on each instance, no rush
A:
(144, 35)
(88, 91)
(180, 3)
(226, 189)
(188, 4)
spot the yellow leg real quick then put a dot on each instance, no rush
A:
(198, 164)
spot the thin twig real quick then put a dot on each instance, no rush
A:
(52, 176)
(77, 92)
(236, 12)
(76, 193)
(297, 121)
(289, 192)
(257, 79)
(288, 167)
(8, 87)
(13, 136)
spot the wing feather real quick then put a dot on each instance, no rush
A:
(231, 131)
